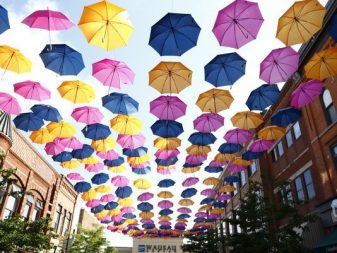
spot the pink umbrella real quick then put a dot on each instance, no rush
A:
(196, 159)
(117, 217)
(190, 181)
(306, 93)
(184, 210)
(108, 197)
(97, 167)
(180, 224)
(208, 192)
(260, 145)
(119, 181)
(145, 196)
(93, 203)
(87, 115)
(166, 154)
(147, 221)
(141, 165)
(32, 90)
(224, 197)
(131, 141)
(279, 65)
(165, 223)
(9, 104)
(71, 142)
(238, 136)
(165, 204)
(129, 209)
(213, 216)
(108, 155)
(168, 107)
(201, 215)
(234, 168)
(208, 122)
(75, 176)
(55, 147)
(113, 73)
(167, 171)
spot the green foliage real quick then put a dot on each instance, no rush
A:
(204, 243)
(111, 249)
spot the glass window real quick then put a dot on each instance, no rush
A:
(252, 168)
(37, 210)
(280, 148)
(334, 153)
(329, 107)
(2, 191)
(274, 154)
(28, 206)
(299, 189)
(12, 202)
(243, 177)
(289, 138)
(287, 196)
(297, 130)
(309, 184)
(66, 225)
(235, 184)
(58, 218)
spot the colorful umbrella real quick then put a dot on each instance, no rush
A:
(62, 157)
(285, 116)
(131, 141)
(189, 192)
(72, 164)
(231, 179)
(76, 91)
(9, 104)
(238, 136)
(4, 22)
(229, 148)
(46, 112)
(260, 145)
(227, 188)
(89, 160)
(164, 154)
(199, 138)
(32, 90)
(238, 23)
(174, 34)
(165, 212)
(82, 186)
(263, 97)
(198, 150)
(211, 181)
(224, 158)
(168, 108)
(224, 197)
(196, 159)
(87, 115)
(103, 189)
(12, 59)
(165, 204)
(119, 103)
(123, 192)
(167, 143)
(117, 169)
(145, 196)
(165, 183)
(249, 155)
(61, 129)
(213, 169)
(165, 195)
(242, 162)
(108, 155)
(209, 192)
(332, 28)
(41, 136)
(145, 206)
(271, 133)
(85, 152)
(103, 145)
(125, 124)
(214, 100)
(96, 131)
(185, 202)
(233, 168)
(306, 93)
(167, 128)
(142, 184)
(89, 195)
(116, 162)
(28, 122)
(93, 203)
(97, 167)
(55, 147)
(111, 205)
(71, 142)
(247, 120)
(208, 122)
(107, 198)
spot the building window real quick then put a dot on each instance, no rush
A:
(274, 155)
(252, 169)
(299, 189)
(67, 222)
(287, 196)
(28, 207)
(37, 212)
(309, 185)
(243, 178)
(289, 138)
(334, 153)
(12, 202)
(297, 130)
(330, 109)
(236, 185)
(280, 148)
(58, 218)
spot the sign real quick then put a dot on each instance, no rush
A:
(157, 245)
(157, 248)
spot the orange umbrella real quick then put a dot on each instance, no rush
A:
(186, 202)
(227, 188)
(224, 157)
(271, 133)
(198, 150)
(189, 170)
(247, 120)
(167, 143)
(241, 162)
(214, 100)
(211, 181)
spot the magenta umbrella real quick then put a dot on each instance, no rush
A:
(75, 176)
(119, 181)
(129, 209)
(260, 145)
(213, 216)
(279, 65)
(208, 122)
(201, 215)
(108, 155)
(97, 167)
(87, 115)
(147, 221)
(217, 164)
(224, 197)
(131, 141)
(234, 168)
(184, 210)
(108, 197)
(55, 147)
(306, 93)
(117, 217)
(32, 90)
(190, 181)
(93, 203)
(9, 104)
(167, 153)
(238, 136)
(208, 192)
(238, 23)
(71, 142)
(165, 223)
(145, 196)
(113, 73)
(196, 159)
(165, 204)
(168, 107)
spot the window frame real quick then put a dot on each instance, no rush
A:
(289, 133)
(297, 123)
(326, 108)
(299, 179)
(278, 149)
(309, 184)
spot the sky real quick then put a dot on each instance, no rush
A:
(141, 58)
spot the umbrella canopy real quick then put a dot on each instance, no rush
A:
(232, 179)
(167, 143)
(142, 184)
(28, 122)
(117, 169)
(332, 28)
(70, 142)
(123, 192)
(76, 91)
(4, 22)
(174, 34)
(145, 206)
(208, 122)
(242, 162)
(96, 131)
(189, 192)
(116, 162)
(93, 203)
(46, 112)
(206, 201)
(82, 186)
(167, 153)
(125, 124)
(119, 103)
(62, 59)
(300, 22)
(165, 212)
(271, 133)
(238, 136)
(61, 129)
(168, 107)
(185, 202)
(260, 145)
(84, 152)
(225, 69)
(233, 168)
(263, 97)
(107, 198)
(72, 164)
(238, 23)
(100, 178)
(247, 120)
(41, 136)
(87, 115)
(224, 197)
(167, 128)
(306, 93)
(229, 148)
(105, 25)
(249, 155)
(214, 101)
(211, 181)
(165, 183)
(131, 141)
(213, 169)
(184, 210)
(32, 90)
(165, 204)
(198, 150)
(227, 188)
(97, 167)
(9, 104)
(145, 196)
(103, 188)
(13, 60)
(89, 160)
(137, 152)
(199, 138)
(111, 205)
(120, 181)
(55, 147)
(165, 195)
(285, 116)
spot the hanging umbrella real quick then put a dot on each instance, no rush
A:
(166, 153)
(263, 97)
(166, 162)
(238, 136)
(97, 209)
(123, 192)
(168, 108)
(242, 162)
(167, 128)
(165, 212)
(271, 133)
(62, 157)
(260, 145)
(217, 163)
(201, 215)
(55, 147)
(184, 210)
(249, 155)
(232, 179)
(82, 186)
(183, 216)
(32, 90)
(332, 28)
(165, 204)
(85, 152)
(211, 181)
(125, 124)
(224, 197)
(141, 171)
(142, 184)
(224, 158)
(89, 195)
(165, 195)
(120, 181)
(199, 138)
(285, 116)
(138, 160)
(145, 196)
(9, 104)
(87, 115)
(61, 129)
(117, 169)
(306, 93)
(225, 69)
(76, 91)
(185, 202)
(103, 145)
(227, 188)
(138, 152)
(214, 101)
(129, 216)
(70, 142)
(62, 59)
(108, 155)
(72, 164)
(41, 136)
(212, 169)
(96, 131)
(89, 160)
(113, 73)
(4, 22)
(116, 162)
(131, 141)
(247, 120)
(105, 25)
(208, 122)
(238, 23)
(196, 159)
(145, 206)
(100, 178)
(165, 183)
(229, 148)
(119, 103)
(167, 143)
(12, 59)
(97, 167)
(111, 205)
(206, 201)
(233, 168)
(300, 22)
(93, 203)
(189, 192)
(46, 112)
(28, 122)
(174, 34)
(102, 188)
(107, 198)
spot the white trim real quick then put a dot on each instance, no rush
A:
(301, 170)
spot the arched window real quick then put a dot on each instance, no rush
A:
(330, 109)
(12, 201)
(33, 206)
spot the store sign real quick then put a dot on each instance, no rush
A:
(157, 248)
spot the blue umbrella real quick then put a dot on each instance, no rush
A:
(100, 178)
(206, 201)
(4, 22)
(285, 116)
(165, 227)
(145, 207)
(96, 131)
(137, 152)
(189, 192)
(211, 169)
(114, 163)
(167, 128)
(203, 139)
(219, 204)
(210, 220)
(229, 148)
(231, 179)
(183, 216)
(129, 216)
(62, 59)
(85, 152)
(119, 103)
(111, 205)
(120, 222)
(165, 212)
(123, 192)
(262, 97)
(46, 112)
(82, 186)
(192, 165)
(225, 69)
(174, 34)
(148, 226)
(249, 155)
(166, 162)
(333, 28)
(142, 171)
(165, 183)
(106, 221)
(28, 121)
(62, 157)
(97, 209)
(199, 220)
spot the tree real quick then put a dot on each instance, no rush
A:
(203, 242)
(111, 249)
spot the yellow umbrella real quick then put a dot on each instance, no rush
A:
(211, 181)
(165, 195)
(198, 150)
(146, 215)
(224, 157)
(61, 129)
(117, 169)
(41, 136)
(182, 220)
(216, 211)
(142, 184)
(103, 145)
(114, 212)
(72, 164)
(272, 133)
(300, 22)
(164, 218)
(204, 208)
(170, 77)
(139, 160)
(124, 124)
(102, 214)
(227, 188)
(131, 221)
(242, 162)
(103, 189)
(76, 91)
(214, 100)
(89, 195)
(189, 170)
(186, 202)
(247, 120)
(106, 25)
(126, 202)
(90, 160)
(322, 65)
(11, 59)
(167, 143)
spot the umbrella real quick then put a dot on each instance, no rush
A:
(206, 201)
(128, 209)
(82, 186)
(170, 77)
(141, 171)
(227, 188)
(54, 148)
(63, 157)
(208, 122)
(166, 162)
(93, 203)
(249, 155)
(201, 215)
(8, 103)
(97, 209)
(224, 158)
(165, 204)
(167, 143)
(4, 22)
(87, 115)
(96, 131)
(167, 153)
(165, 195)
(103, 188)
(84, 152)
(168, 107)
(238, 136)
(184, 210)
(142, 184)
(105, 25)
(209, 192)
(233, 168)
(247, 120)
(103, 145)
(196, 159)
(62, 59)
(271, 133)
(119, 103)
(145, 196)
(138, 160)
(41, 136)
(32, 90)
(61, 129)
(108, 155)
(185, 202)
(189, 192)
(116, 162)
(225, 69)
(229, 148)
(279, 65)
(125, 124)
(263, 97)
(12, 59)
(211, 181)
(165, 212)
(113, 73)
(70, 142)
(214, 101)
(199, 138)
(285, 116)
(123, 192)
(145, 206)
(224, 197)
(167, 128)
(129, 216)
(232, 179)
(100, 178)
(147, 216)
(28, 122)
(306, 93)
(174, 34)
(217, 163)
(107, 198)
(76, 91)
(183, 216)
(260, 145)
(300, 22)
(111, 205)
(142, 165)
(46, 112)
(137, 152)
(72, 164)
(131, 141)
(332, 29)
(97, 167)
(165, 183)
(213, 169)
(238, 23)
(117, 169)
(242, 162)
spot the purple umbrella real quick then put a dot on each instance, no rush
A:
(279, 65)
(108, 155)
(184, 210)
(167, 153)
(108, 197)
(238, 23)
(201, 215)
(141, 165)
(128, 209)
(224, 197)
(196, 159)
(165, 204)
(131, 141)
(87, 115)
(147, 221)
(190, 181)
(9, 104)
(165, 223)
(166, 171)
(238, 136)
(208, 122)
(217, 164)
(119, 181)
(71, 142)
(260, 145)
(145, 196)
(306, 93)
(93, 203)
(117, 217)
(168, 107)
(97, 167)
(213, 216)
(55, 147)
(75, 176)
(208, 192)
(234, 168)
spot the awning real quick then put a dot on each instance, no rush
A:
(328, 241)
